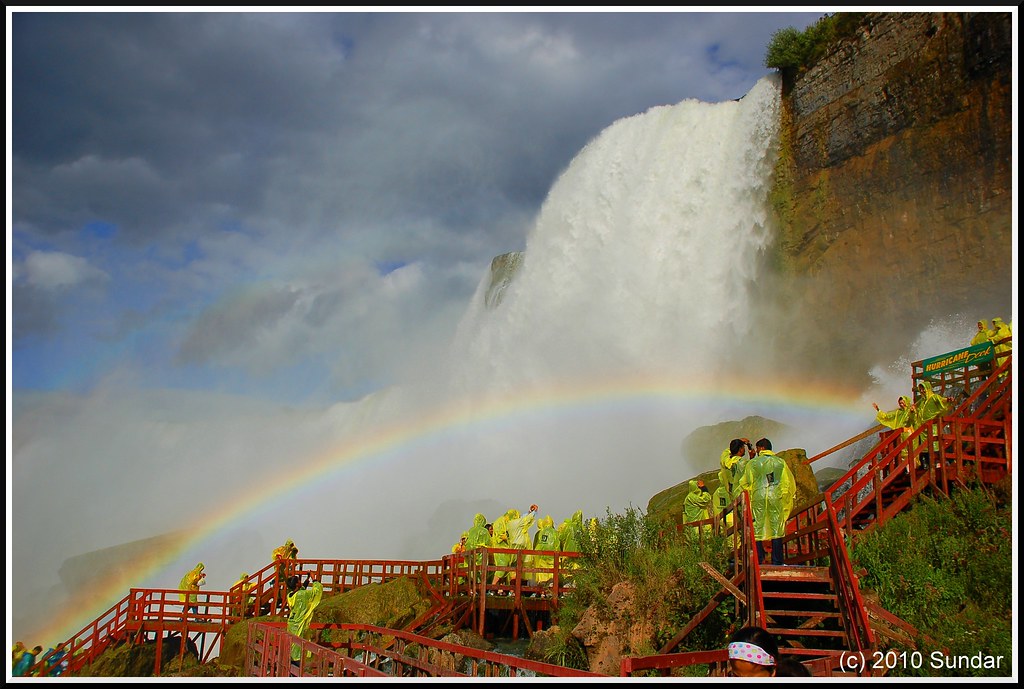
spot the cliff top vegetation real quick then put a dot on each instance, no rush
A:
(791, 51)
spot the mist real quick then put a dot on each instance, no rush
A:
(629, 323)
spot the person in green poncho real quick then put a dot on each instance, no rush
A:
(772, 488)
(732, 461)
(720, 501)
(500, 539)
(1001, 335)
(546, 541)
(478, 537)
(982, 336)
(931, 405)
(519, 538)
(570, 538)
(697, 504)
(902, 419)
(302, 601)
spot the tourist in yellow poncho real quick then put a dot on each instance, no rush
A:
(982, 336)
(902, 419)
(742, 452)
(302, 601)
(546, 540)
(459, 549)
(478, 537)
(519, 537)
(245, 586)
(720, 502)
(772, 488)
(192, 580)
(931, 405)
(500, 539)
(1001, 331)
(697, 504)
(570, 537)
(728, 470)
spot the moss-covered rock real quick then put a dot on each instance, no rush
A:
(233, 645)
(139, 660)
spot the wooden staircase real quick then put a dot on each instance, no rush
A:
(802, 608)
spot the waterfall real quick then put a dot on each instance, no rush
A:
(643, 257)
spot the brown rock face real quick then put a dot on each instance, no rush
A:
(894, 189)
(608, 637)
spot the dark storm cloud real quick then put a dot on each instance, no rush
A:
(324, 116)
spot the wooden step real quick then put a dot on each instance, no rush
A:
(783, 631)
(795, 573)
(816, 614)
(800, 596)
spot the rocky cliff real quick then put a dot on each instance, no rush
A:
(894, 186)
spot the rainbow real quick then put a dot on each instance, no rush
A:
(770, 397)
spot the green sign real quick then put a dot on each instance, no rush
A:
(961, 358)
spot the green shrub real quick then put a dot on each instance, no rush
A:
(791, 50)
(946, 567)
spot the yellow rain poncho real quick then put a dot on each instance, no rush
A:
(1000, 331)
(477, 537)
(737, 473)
(546, 539)
(726, 473)
(245, 586)
(982, 335)
(697, 503)
(902, 419)
(720, 500)
(500, 539)
(301, 604)
(931, 404)
(191, 582)
(285, 552)
(519, 536)
(570, 537)
(772, 487)
(17, 650)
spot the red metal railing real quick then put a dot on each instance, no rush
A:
(369, 650)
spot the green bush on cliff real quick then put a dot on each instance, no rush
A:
(791, 49)
(663, 566)
(954, 584)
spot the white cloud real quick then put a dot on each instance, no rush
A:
(56, 270)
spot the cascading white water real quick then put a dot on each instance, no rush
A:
(643, 254)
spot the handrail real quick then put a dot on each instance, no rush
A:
(435, 658)
(756, 615)
(847, 585)
(855, 439)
